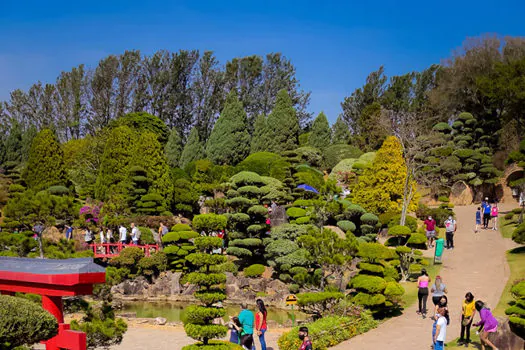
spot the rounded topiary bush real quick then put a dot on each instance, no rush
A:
(295, 212)
(399, 230)
(375, 269)
(354, 211)
(417, 240)
(518, 235)
(368, 283)
(303, 203)
(258, 210)
(346, 225)
(410, 222)
(255, 270)
(369, 300)
(442, 127)
(369, 219)
(367, 229)
(302, 220)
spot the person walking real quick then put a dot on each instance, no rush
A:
(488, 324)
(450, 228)
(494, 215)
(69, 232)
(438, 290)
(162, 230)
(441, 330)
(88, 236)
(478, 220)
(303, 336)
(260, 323)
(123, 234)
(430, 226)
(422, 293)
(468, 311)
(486, 213)
(246, 319)
(135, 234)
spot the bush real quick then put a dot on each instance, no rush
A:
(409, 221)
(247, 178)
(23, 322)
(399, 230)
(346, 225)
(369, 219)
(213, 345)
(369, 284)
(329, 331)
(417, 240)
(335, 153)
(442, 127)
(518, 235)
(295, 212)
(303, 203)
(303, 220)
(258, 210)
(146, 236)
(374, 269)
(181, 227)
(509, 216)
(318, 303)
(209, 222)
(255, 270)
(386, 218)
(367, 230)
(129, 258)
(369, 300)
(152, 266)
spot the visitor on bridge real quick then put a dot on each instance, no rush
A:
(468, 311)
(303, 336)
(478, 220)
(88, 236)
(246, 319)
(123, 234)
(430, 225)
(438, 290)
(102, 236)
(163, 230)
(494, 215)
(441, 330)
(486, 212)
(450, 228)
(488, 324)
(135, 234)
(422, 293)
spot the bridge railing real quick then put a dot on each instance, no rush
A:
(110, 250)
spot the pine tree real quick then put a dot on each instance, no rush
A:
(193, 149)
(261, 135)
(148, 155)
(321, 133)
(45, 165)
(340, 132)
(173, 148)
(229, 140)
(114, 167)
(380, 188)
(283, 125)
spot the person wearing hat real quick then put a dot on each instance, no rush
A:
(486, 212)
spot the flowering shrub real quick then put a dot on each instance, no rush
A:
(90, 213)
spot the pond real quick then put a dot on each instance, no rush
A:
(174, 312)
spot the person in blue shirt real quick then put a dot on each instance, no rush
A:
(486, 213)
(478, 219)
(247, 320)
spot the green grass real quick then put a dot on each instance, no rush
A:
(410, 296)
(507, 226)
(516, 260)
(474, 342)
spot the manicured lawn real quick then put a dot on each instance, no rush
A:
(474, 344)
(516, 259)
(507, 226)
(410, 296)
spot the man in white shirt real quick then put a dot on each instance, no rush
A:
(441, 330)
(135, 234)
(123, 234)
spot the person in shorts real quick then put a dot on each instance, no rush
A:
(488, 324)
(430, 226)
(478, 220)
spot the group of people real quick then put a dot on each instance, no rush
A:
(106, 235)
(450, 228)
(487, 323)
(485, 214)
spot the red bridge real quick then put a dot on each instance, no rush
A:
(52, 279)
(110, 250)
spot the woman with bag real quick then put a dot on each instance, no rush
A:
(468, 310)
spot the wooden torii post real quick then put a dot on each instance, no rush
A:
(52, 279)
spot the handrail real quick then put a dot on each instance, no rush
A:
(110, 250)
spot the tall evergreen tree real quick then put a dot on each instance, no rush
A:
(114, 167)
(193, 149)
(148, 155)
(173, 148)
(321, 134)
(45, 165)
(340, 132)
(260, 135)
(283, 125)
(229, 140)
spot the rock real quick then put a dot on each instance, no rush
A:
(504, 338)
(461, 194)
(138, 286)
(337, 230)
(231, 290)
(190, 289)
(175, 282)
(161, 321)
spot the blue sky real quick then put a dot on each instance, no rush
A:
(333, 44)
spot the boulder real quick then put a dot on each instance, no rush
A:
(138, 286)
(461, 194)
(189, 289)
(504, 338)
(161, 321)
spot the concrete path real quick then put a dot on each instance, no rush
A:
(477, 264)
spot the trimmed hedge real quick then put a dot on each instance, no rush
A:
(369, 219)
(346, 225)
(295, 212)
(399, 230)
(368, 283)
(302, 220)
(255, 270)
(213, 345)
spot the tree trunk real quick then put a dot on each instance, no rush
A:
(408, 193)
(40, 246)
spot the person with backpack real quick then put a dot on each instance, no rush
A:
(450, 229)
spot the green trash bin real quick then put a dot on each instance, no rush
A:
(438, 253)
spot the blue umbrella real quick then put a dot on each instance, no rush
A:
(308, 188)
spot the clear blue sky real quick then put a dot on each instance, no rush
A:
(334, 45)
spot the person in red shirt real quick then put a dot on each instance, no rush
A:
(430, 225)
(303, 335)
(260, 322)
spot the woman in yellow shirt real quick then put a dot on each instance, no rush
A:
(468, 310)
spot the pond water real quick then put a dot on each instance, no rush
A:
(174, 312)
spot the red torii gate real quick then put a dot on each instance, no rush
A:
(52, 279)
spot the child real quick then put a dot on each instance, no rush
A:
(478, 220)
(488, 324)
(235, 327)
(494, 214)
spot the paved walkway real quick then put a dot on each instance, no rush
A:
(477, 264)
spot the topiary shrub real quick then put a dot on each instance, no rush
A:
(516, 312)
(318, 303)
(346, 226)
(303, 220)
(442, 127)
(213, 345)
(372, 301)
(255, 270)
(509, 216)
(372, 269)
(369, 219)
(410, 222)
(209, 222)
(518, 235)
(146, 236)
(368, 284)
(417, 240)
(398, 230)
(258, 210)
(367, 229)
(181, 227)
(303, 203)
(23, 322)
(295, 212)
